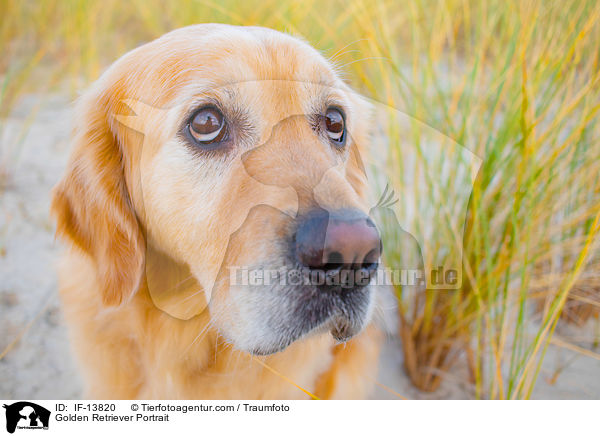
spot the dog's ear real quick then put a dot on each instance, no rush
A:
(92, 205)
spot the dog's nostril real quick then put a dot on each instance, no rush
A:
(371, 260)
(335, 262)
(335, 259)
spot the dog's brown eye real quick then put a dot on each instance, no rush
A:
(334, 124)
(208, 126)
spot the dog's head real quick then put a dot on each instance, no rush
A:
(231, 154)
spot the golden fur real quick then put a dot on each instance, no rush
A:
(140, 212)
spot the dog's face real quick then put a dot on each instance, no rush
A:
(247, 160)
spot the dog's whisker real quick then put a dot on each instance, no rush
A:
(203, 332)
(366, 59)
(339, 52)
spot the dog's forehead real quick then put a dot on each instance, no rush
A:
(251, 53)
(190, 60)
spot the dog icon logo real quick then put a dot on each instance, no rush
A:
(26, 415)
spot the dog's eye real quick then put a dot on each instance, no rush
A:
(208, 126)
(334, 125)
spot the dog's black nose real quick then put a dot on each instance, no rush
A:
(338, 243)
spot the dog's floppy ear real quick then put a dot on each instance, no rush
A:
(92, 205)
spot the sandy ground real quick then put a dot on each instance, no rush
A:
(36, 362)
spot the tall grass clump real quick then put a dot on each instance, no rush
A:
(518, 84)
(514, 83)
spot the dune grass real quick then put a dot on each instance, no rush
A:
(517, 83)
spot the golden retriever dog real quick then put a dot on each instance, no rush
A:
(199, 159)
